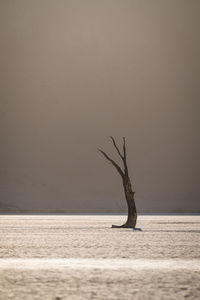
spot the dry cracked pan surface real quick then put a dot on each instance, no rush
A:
(40, 237)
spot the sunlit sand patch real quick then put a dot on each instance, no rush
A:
(112, 264)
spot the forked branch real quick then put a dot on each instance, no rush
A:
(115, 145)
(122, 156)
(113, 163)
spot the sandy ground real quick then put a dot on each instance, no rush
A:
(81, 257)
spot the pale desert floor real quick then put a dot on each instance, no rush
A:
(81, 257)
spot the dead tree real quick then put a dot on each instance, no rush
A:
(129, 193)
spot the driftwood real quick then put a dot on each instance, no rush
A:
(129, 193)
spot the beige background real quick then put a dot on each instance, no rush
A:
(75, 72)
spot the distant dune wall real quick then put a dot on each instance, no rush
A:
(74, 72)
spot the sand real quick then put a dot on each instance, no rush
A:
(81, 257)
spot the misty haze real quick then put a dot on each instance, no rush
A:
(75, 72)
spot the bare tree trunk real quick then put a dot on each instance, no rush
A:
(129, 194)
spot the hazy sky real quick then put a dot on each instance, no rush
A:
(75, 72)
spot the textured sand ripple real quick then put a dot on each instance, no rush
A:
(111, 264)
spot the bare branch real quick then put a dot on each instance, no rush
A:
(113, 163)
(124, 147)
(115, 145)
(124, 157)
